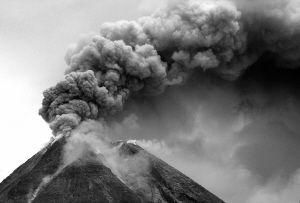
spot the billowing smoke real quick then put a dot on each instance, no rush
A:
(143, 57)
(216, 81)
(140, 57)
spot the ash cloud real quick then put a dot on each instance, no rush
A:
(211, 82)
(140, 58)
(145, 56)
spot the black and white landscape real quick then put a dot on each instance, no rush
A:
(150, 101)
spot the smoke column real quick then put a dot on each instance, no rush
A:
(146, 56)
(181, 72)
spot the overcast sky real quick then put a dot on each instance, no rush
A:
(206, 136)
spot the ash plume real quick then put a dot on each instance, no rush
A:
(143, 57)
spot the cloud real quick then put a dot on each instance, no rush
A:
(269, 149)
(209, 86)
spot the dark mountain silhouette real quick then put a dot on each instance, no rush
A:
(94, 182)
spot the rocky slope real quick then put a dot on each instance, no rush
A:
(41, 180)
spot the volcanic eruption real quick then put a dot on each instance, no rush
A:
(136, 61)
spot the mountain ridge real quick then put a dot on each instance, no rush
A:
(43, 179)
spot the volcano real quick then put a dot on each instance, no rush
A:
(41, 179)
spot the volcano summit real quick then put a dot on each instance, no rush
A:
(90, 180)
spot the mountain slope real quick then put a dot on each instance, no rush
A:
(42, 179)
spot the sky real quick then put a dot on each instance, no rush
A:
(246, 155)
